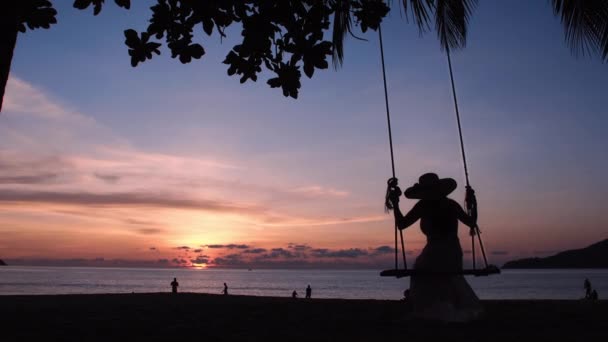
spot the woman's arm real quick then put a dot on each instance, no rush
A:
(469, 220)
(410, 218)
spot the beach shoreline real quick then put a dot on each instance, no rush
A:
(163, 316)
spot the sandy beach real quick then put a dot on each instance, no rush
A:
(158, 317)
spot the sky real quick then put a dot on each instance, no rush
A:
(169, 165)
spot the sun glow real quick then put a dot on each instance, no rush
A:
(194, 228)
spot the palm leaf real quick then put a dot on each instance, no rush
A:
(342, 26)
(585, 24)
(605, 44)
(452, 21)
(420, 11)
(451, 18)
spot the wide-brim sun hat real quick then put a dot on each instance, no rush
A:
(430, 186)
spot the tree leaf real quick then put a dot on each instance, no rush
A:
(84, 4)
(208, 26)
(81, 4)
(132, 39)
(123, 3)
(37, 14)
(309, 69)
(185, 58)
(274, 82)
(196, 51)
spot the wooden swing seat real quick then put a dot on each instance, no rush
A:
(479, 272)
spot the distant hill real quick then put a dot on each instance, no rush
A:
(594, 256)
(2, 263)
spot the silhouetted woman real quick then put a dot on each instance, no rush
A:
(445, 296)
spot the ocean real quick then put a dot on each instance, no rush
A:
(347, 284)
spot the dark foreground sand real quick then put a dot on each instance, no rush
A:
(200, 317)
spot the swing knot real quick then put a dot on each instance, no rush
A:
(393, 192)
(392, 182)
(470, 198)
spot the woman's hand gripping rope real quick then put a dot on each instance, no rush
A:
(471, 204)
(393, 192)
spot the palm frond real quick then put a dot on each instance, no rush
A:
(420, 11)
(605, 44)
(452, 21)
(342, 26)
(585, 24)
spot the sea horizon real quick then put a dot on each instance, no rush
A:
(326, 283)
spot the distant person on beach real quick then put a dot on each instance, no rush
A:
(406, 295)
(594, 295)
(225, 291)
(447, 296)
(308, 292)
(587, 286)
(174, 285)
(294, 294)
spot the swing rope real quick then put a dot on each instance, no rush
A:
(464, 155)
(388, 112)
(390, 142)
(469, 201)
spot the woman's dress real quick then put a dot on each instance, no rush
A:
(445, 297)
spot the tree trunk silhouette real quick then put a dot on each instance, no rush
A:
(9, 25)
